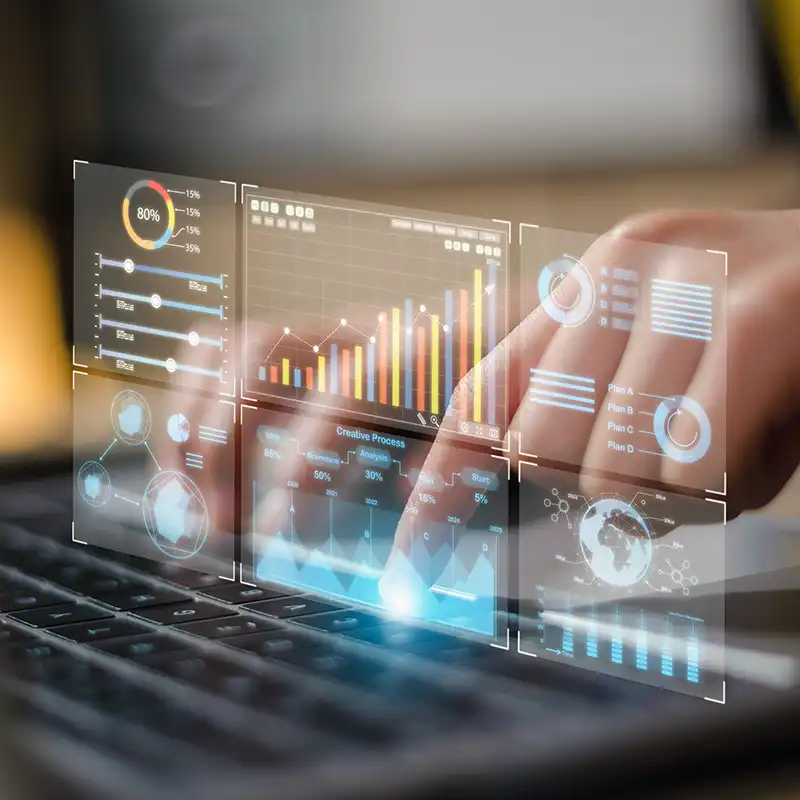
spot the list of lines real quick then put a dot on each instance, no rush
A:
(682, 309)
(559, 389)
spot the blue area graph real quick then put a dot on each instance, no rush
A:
(333, 526)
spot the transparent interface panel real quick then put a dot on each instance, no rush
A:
(155, 477)
(154, 271)
(629, 582)
(624, 357)
(357, 514)
(377, 310)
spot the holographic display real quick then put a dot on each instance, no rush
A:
(629, 582)
(154, 276)
(617, 330)
(356, 514)
(377, 311)
(134, 494)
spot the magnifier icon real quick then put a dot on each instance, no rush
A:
(435, 420)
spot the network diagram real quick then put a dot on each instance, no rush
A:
(618, 541)
(166, 502)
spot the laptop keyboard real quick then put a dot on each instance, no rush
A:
(126, 654)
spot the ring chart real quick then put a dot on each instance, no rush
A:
(148, 214)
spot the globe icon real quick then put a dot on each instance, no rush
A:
(615, 541)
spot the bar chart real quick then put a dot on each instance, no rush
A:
(377, 313)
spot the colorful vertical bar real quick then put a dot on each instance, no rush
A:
(408, 383)
(273, 373)
(434, 363)
(491, 334)
(395, 357)
(262, 373)
(358, 373)
(321, 373)
(383, 353)
(420, 369)
(448, 346)
(477, 338)
(346, 373)
(298, 380)
(462, 346)
(371, 372)
(334, 369)
(285, 371)
(309, 379)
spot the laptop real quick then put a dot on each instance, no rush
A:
(297, 554)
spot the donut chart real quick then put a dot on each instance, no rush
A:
(567, 314)
(692, 446)
(149, 244)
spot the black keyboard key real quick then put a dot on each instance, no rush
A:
(27, 597)
(396, 635)
(60, 615)
(140, 597)
(138, 647)
(228, 626)
(178, 613)
(100, 583)
(336, 664)
(100, 630)
(239, 593)
(10, 635)
(290, 607)
(341, 621)
(187, 578)
(273, 643)
(451, 650)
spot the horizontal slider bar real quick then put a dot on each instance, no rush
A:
(110, 323)
(189, 276)
(157, 363)
(683, 284)
(139, 298)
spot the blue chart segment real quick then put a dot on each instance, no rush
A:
(614, 583)
(349, 494)
(154, 292)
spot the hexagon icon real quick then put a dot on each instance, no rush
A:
(94, 483)
(130, 417)
(175, 514)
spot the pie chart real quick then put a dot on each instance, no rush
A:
(178, 428)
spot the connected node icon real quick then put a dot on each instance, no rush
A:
(680, 575)
(130, 417)
(560, 506)
(94, 484)
(175, 514)
(694, 440)
(615, 541)
(568, 310)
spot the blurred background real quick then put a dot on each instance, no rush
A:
(571, 114)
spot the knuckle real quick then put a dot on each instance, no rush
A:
(666, 225)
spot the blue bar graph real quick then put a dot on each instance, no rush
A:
(297, 379)
(492, 343)
(666, 650)
(567, 643)
(409, 320)
(262, 373)
(693, 659)
(448, 345)
(334, 368)
(641, 650)
(371, 372)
